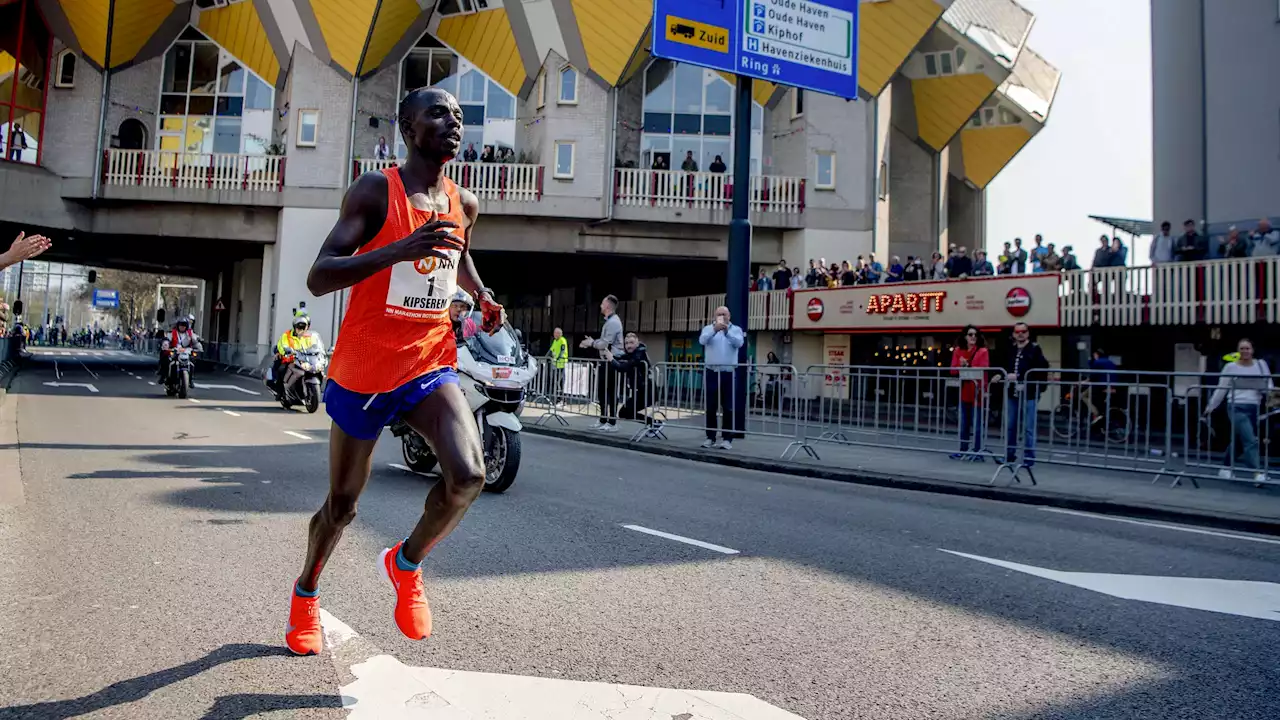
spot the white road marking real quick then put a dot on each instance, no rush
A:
(87, 386)
(151, 383)
(1180, 528)
(194, 400)
(86, 369)
(232, 414)
(64, 352)
(385, 687)
(56, 371)
(408, 469)
(206, 386)
(680, 538)
(1247, 598)
(298, 435)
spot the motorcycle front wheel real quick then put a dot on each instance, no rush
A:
(501, 460)
(184, 384)
(312, 398)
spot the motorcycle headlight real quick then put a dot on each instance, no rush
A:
(306, 366)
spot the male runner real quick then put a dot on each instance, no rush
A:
(394, 245)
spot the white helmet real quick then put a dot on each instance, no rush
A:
(461, 296)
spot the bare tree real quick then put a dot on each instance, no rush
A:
(137, 293)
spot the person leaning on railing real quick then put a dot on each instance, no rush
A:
(633, 367)
(966, 360)
(1248, 380)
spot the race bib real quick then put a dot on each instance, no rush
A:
(421, 290)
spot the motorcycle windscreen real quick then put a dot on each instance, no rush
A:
(501, 348)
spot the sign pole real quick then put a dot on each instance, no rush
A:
(739, 255)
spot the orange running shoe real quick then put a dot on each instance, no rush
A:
(303, 634)
(413, 616)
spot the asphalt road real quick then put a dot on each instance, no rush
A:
(145, 571)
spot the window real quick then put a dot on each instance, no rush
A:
(459, 7)
(797, 103)
(884, 180)
(564, 160)
(568, 86)
(308, 127)
(690, 110)
(65, 72)
(210, 102)
(24, 44)
(826, 162)
(542, 90)
(940, 64)
(488, 110)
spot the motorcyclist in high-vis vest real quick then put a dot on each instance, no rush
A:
(298, 337)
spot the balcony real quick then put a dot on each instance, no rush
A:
(705, 197)
(1214, 292)
(502, 182)
(193, 171)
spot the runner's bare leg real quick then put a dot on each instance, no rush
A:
(350, 462)
(445, 420)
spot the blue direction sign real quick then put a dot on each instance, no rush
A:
(106, 298)
(811, 44)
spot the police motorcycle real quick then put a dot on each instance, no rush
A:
(494, 371)
(303, 378)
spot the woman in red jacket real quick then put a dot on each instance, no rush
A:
(971, 353)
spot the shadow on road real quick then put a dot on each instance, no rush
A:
(134, 689)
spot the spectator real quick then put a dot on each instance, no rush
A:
(981, 265)
(833, 275)
(1119, 254)
(971, 352)
(764, 282)
(814, 274)
(559, 354)
(1264, 241)
(1102, 378)
(689, 164)
(721, 341)
(1019, 257)
(470, 155)
(960, 266)
(1005, 261)
(1233, 246)
(381, 151)
(896, 272)
(914, 270)
(1020, 410)
(487, 154)
(1069, 260)
(1162, 245)
(1037, 255)
(610, 342)
(1102, 256)
(847, 275)
(875, 271)
(938, 267)
(782, 276)
(860, 272)
(1051, 261)
(1248, 380)
(633, 367)
(660, 162)
(1191, 245)
(718, 166)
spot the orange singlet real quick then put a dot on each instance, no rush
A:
(397, 324)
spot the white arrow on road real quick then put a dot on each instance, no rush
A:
(87, 386)
(205, 386)
(1247, 598)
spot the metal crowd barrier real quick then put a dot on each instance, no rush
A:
(1140, 422)
(917, 409)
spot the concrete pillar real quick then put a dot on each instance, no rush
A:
(913, 185)
(301, 232)
(799, 246)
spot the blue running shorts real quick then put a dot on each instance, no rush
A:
(363, 416)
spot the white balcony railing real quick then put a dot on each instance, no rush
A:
(489, 181)
(1217, 292)
(202, 171)
(705, 190)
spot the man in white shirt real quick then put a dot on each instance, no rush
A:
(1264, 241)
(721, 341)
(1162, 245)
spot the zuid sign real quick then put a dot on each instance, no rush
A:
(802, 43)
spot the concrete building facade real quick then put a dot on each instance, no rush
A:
(222, 136)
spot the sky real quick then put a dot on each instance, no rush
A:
(1094, 155)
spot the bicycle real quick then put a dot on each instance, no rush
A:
(1068, 420)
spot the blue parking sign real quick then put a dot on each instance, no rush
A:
(812, 44)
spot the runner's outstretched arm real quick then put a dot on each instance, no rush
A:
(363, 210)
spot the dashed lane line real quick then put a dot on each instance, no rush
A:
(682, 539)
